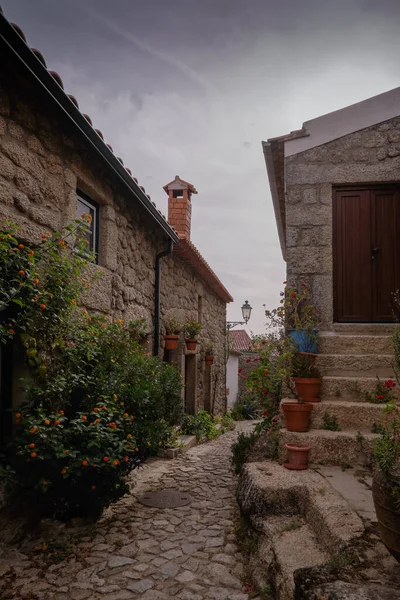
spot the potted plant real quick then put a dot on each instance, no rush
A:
(297, 456)
(172, 332)
(209, 355)
(301, 317)
(306, 377)
(386, 485)
(192, 330)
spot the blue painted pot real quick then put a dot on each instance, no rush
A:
(304, 341)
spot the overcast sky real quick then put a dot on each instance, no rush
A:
(191, 87)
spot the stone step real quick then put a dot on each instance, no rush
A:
(333, 343)
(348, 387)
(285, 536)
(365, 328)
(360, 416)
(356, 365)
(343, 448)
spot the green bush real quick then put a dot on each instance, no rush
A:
(79, 363)
(201, 425)
(242, 448)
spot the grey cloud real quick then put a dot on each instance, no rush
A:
(193, 86)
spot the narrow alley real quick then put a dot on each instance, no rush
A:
(139, 552)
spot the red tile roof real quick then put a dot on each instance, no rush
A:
(189, 253)
(240, 340)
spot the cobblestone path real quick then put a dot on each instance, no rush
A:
(136, 552)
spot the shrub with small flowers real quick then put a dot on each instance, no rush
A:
(96, 405)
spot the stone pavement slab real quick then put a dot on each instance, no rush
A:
(138, 552)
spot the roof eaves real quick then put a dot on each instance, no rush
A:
(274, 160)
(13, 38)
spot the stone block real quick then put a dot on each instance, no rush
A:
(322, 293)
(21, 201)
(7, 167)
(305, 260)
(28, 185)
(98, 297)
(6, 192)
(24, 158)
(310, 195)
(315, 215)
(16, 130)
(36, 145)
(394, 136)
(373, 139)
(3, 126)
(315, 236)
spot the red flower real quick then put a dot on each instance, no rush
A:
(285, 282)
(248, 360)
(380, 397)
(244, 378)
(265, 372)
(240, 370)
(263, 342)
(265, 392)
(390, 383)
(265, 412)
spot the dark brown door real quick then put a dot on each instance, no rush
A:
(366, 241)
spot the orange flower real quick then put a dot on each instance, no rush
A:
(129, 436)
(33, 455)
(44, 236)
(84, 418)
(31, 253)
(98, 421)
(106, 459)
(18, 415)
(21, 246)
(93, 487)
(36, 281)
(137, 449)
(42, 306)
(21, 272)
(60, 412)
(57, 422)
(116, 462)
(126, 458)
(96, 409)
(104, 407)
(11, 331)
(33, 430)
(65, 451)
(89, 319)
(47, 422)
(10, 251)
(126, 415)
(31, 446)
(63, 472)
(85, 463)
(45, 483)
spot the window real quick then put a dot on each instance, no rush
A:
(86, 206)
(200, 309)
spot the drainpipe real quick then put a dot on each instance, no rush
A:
(157, 287)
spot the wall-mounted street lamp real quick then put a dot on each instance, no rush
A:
(246, 313)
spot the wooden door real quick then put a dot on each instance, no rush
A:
(366, 233)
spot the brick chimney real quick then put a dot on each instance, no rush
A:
(180, 205)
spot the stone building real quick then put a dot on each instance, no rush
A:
(335, 186)
(54, 166)
(239, 345)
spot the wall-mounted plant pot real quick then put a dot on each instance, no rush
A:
(304, 341)
(171, 341)
(209, 359)
(387, 512)
(297, 416)
(309, 389)
(191, 344)
(297, 456)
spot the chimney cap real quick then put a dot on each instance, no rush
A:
(179, 184)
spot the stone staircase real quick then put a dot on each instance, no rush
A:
(351, 357)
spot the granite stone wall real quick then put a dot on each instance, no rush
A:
(368, 156)
(42, 164)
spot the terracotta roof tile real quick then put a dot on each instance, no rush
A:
(240, 340)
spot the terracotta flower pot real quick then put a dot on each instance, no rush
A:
(297, 416)
(191, 344)
(171, 341)
(297, 456)
(308, 389)
(387, 513)
(209, 359)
